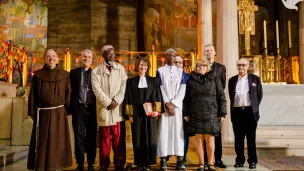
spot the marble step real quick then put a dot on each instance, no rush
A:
(280, 141)
(2, 147)
(12, 154)
(280, 131)
(297, 150)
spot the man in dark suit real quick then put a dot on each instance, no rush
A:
(83, 110)
(245, 92)
(220, 72)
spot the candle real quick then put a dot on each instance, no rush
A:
(152, 47)
(289, 34)
(277, 34)
(265, 34)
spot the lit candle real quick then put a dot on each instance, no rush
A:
(289, 34)
(153, 47)
(265, 34)
(277, 34)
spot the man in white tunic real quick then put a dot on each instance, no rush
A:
(171, 133)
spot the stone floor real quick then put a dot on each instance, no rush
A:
(229, 160)
(191, 158)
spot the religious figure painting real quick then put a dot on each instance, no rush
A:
(164, 20)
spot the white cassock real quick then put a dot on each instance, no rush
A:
(171, 133)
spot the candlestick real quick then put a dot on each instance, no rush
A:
(265, 35)
(289, 34)
(277, 34)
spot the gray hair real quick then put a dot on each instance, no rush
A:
(243, 59)
(49, 49)
(86, 51)
(207, 45)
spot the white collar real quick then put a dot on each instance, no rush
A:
(142, 82)
(243, 78)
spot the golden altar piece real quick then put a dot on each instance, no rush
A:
(246, 9)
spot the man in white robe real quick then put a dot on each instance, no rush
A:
(171, 133)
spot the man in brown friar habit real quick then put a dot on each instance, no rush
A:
(49, 97)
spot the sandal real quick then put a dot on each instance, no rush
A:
(211, 167)
(147, 168)
(201, 167)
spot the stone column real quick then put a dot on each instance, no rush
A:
(227, 52)
(204, 25)
(301, 41)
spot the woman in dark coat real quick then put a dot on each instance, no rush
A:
(204, 108)
(139, 90)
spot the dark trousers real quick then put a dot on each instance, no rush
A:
(218, 149)
(115, 137)
(85, 127)
(244, 125)
(186, 140)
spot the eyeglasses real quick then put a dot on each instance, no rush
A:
(204, 65)
(241, 65)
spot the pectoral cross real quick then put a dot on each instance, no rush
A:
(247, 10)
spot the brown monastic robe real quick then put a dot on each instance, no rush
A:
(50, 88)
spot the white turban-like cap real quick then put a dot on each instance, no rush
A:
(169, 51)
(106, 47)
(178, 58)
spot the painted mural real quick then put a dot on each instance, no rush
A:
(24, 22)
(173, 23)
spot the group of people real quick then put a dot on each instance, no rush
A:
(185, 105)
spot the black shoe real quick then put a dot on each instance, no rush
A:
(252, 165)
(185, 162)
(140, 168)
(80, 168)
(120, 168)
(180, 164)
(163, 163)
(201, 167)
(220, 164)
(147, 168)
(238, 165)
(128, 167)
(211, 167)
(90, 168)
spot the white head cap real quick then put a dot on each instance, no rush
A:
(106, 47)
(178, 58)
(170, 50)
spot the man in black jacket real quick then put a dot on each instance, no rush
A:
(83, 110)
(245, 92)
(220, 72)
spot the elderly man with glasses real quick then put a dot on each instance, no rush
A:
(245, 92)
